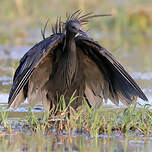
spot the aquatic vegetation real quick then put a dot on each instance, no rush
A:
(4, 117)
(93, 122)
(37, 125)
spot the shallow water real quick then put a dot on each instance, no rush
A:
(56, 143)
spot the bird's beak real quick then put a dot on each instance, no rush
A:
(77, 34)
(81, 32)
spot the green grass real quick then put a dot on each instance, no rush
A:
(92, 122)
(4, 118)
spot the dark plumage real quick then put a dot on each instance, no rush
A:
(70, 61)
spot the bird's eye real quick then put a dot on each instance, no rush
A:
(73, 27)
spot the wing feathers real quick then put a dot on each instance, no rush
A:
(30, 61)
(38, 79)
(117, 84)
(18, 100)
(123, 72)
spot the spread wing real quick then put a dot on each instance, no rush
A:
(33, 60)
(104, 75)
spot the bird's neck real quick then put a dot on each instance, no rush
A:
(71, 59)
(70, 46)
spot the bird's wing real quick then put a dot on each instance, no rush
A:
(30, 62)
(105, 76)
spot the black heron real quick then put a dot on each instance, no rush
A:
(70, 61)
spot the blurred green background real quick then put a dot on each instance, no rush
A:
(129, 17)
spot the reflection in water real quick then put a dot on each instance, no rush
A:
(54, 143)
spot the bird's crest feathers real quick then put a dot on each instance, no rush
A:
(77, 16)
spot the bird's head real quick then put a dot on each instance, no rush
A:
(74, 28)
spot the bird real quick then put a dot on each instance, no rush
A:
(70, 62)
